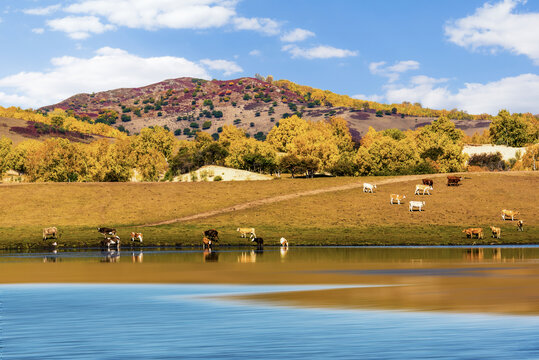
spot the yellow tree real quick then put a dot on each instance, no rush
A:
(5, 150)
(283, 135)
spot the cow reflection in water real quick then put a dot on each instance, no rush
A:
(137, 257)
(250, 257)
(283, 250)
(210, 256)
(52, 258)
(479, 255)
(110, 256)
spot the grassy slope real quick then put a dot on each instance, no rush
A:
(344, 217)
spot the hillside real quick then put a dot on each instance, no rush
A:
(185, 105)
(19, 130)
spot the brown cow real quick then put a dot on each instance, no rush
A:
(496, 232)
(428, 182)
(509, 213)
(396, 198)
(212, 234)
(470, 232)
(50, 232)
(520, 225)
(453, 180)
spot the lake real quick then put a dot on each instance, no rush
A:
(316, 303)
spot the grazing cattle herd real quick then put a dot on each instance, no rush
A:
(211, 236)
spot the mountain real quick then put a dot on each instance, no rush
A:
(188, 104)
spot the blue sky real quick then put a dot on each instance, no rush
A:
(472, 55)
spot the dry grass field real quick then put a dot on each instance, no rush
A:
(332, 218)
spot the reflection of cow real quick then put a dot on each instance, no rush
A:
(137, 257)
(210, 256)
(111, 256)
(50, 232)
(106, 231)
(212, 234)
(247, 257)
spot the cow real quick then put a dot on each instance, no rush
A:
(453, 180)
(428, 182)
(212, 234)
(135, 236)
(284, 242)
(416, 204)
(106, 231)
(111, 240)
(470, 232)
(244, 231)
(395, 198)
(423, 189)
(50, 232)
(496, 232)
(206, 243)
(368, 187)
(509, 213)
(258, 240)
(520, 225)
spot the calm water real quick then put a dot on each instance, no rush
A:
(117, 321)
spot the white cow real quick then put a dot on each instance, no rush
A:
(423, 189)
(284, 242)
(368, 187)
(416, 204)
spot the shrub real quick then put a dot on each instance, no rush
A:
(187, 131)
(194, 125)
(206, 125)
(159, 113)
(246, 97)
(215, 136)
(234, 103)
(257, 113)
(126, 118)
(379, 113)
(220, 129)
(489, 161)
(237, 121)
(252, 124)
(218, 178)
(217, 113)
(178, 132)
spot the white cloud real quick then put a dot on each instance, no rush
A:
(517, 94)
(227, 67)
(155, 14)
(38, 30)
(79, 27)
(318, 52)
(255, 52)
(393, 72)
(263, 25)
(297, 35)
(377, 98)
(498, 26)
(108, 69)
(42, 11)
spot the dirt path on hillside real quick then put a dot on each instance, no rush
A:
(291, 196)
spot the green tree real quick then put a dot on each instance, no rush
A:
(510, 130)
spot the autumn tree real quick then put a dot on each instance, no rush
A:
(5, 150)
(282, 136)
(511, 130)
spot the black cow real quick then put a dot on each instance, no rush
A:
(212, 234)
(259, 242)
(106, 231)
